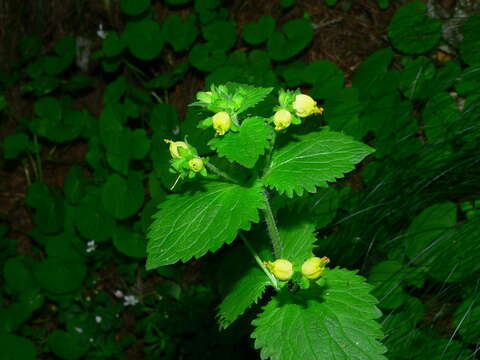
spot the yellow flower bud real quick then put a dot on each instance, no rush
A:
(282, 119)
(221, 122)
(282, 269)
(314, 267)
(305, 106)
(196, 164)
(174, 145)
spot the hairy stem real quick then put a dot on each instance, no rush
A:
(259, 261)
(272, 228)
(220, 173)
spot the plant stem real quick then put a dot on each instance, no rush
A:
(268, 156)
(272, 228)
(220, 173)
(259, 261)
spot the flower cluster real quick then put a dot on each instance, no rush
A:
(293, 106)
(185, 160)
(312, 268)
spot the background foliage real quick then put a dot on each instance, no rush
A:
(85, 166)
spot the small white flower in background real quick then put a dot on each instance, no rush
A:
(118, 294)
(98, 319)
(90, 246)
(79, 330)
(91, 339)
(100, 33)
(130, 300)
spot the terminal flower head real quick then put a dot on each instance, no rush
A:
(282, 119)
(221, 122)
(305, 106)
(282, 269)
(314, 267)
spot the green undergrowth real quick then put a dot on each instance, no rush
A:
(385, 183)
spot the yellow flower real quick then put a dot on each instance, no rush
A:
(174, 145)
(314, 267)
(196, 164)
(221, 122)
(282, 269)
(282, 119)
(305, 106)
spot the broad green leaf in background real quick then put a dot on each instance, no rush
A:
(468, 82)
(467, 320)
(18, 277)
(205, 59)
(247, 145)
(144, 38)
(295, 36)
(189, 225)
(92, 221)
(469, 47)
(259, 31)
(60, 276)
(387, 277)
(129, 243)
(428, 226)
(48, 205)
(113, 45)
(68, 345)
(438, 116)
(122, 197)
(416, 77)
(372, 70)
(15, 144)
(16, 347)
(180, 33)
(313, 160)
(220, 35)
(74, 185)
(412, 31)
(325, 77)
(336, 321)
(134, 7)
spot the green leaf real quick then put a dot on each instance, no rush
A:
(387, 277)
(16, 347)
(74, 184)
(60, 276)
(372, 70)
(122, 197)
(68, 345)
(134, 7)
(428, 226)
(325, 77)
(220, 35)
(416, 78)
(331, 322)
(438, 116)
(255, 33)
(129, 243)
(297, 236)
(471, 41)
(251, 95)
(412, 30)
(144, 38)
(18, 277)
(467, 320)
(206, 59)
(468, 82)
(189, 225)
(15, 144)
(92, 221)
(246, 289)
(180, 33)
(247, 145)
(296, 36)
(313, 160)
(113, 44)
